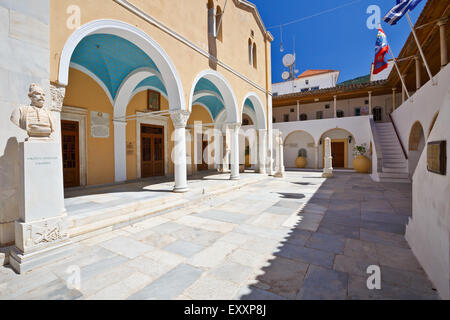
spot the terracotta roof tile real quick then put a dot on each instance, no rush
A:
(309, 73)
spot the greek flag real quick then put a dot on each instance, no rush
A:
(397, 12)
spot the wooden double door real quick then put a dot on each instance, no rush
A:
(70, 153)
(152, 151)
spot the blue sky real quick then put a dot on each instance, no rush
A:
(336, 40)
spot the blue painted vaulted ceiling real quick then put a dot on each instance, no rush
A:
(112, 58)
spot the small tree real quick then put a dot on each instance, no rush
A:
(302, 153)
(360, 150)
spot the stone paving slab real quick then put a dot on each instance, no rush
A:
(300, 237)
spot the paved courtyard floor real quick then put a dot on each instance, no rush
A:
(300, 237)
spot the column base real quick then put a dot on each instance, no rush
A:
(279, 175)
(235, 177)
(22, 262)
(327, 175)
(180, 189)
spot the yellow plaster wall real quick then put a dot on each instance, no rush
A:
(199, 113)
(84, 92)
(188, 18)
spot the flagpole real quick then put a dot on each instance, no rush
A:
(420, 48)
(395, 63)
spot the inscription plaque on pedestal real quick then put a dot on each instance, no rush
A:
(437, 157)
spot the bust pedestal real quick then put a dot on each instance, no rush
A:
(41, 233)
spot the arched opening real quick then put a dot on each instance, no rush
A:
(98, 49)
(255, 61)
(432, 123)
(416, 144)
(342, 143)
(219, 24)
(213, 91)
(296, 141)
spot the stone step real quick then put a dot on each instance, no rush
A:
(89, 223)
(394, 170)
(395, 180)
(396, 175)
(393, 160)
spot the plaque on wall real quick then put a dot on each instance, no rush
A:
(99, 124)
(437, 157)
(130, 148)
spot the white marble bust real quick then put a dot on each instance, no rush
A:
(35, 119)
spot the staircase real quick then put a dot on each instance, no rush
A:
(395, 165)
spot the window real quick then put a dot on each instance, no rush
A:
(286, 118)
(255, 62)
(319, 115)
(366, 101)
(315, 88)
(340, 113)
(303, 117)
(219, 23)
(306, 82)
(250, 52)
(292, 110)
(305, 89)
(274, 120)
(327, 106)
(211, 19)
(245, 122)
(357, 111)
(274, 94)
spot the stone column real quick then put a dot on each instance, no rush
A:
(394, 98)
(227, 150)
(370, 102)
(120, 150)
(179, 120)
(418, 75)
(298, 110)
(262, 151)
(443, 42)
(328, 165)
(218, 149)
(234, 156)
(335, 106)
(280, 158)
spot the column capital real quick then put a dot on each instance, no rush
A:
(179, 118)
(369, 92)
(234, 125)
(416, 57)
(57, 94)
(394, 89)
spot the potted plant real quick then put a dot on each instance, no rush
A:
(301, 160)
(247, 157)
(361, 163)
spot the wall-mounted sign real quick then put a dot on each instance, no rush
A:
(130, 148)
(99, 124)
(437, 157)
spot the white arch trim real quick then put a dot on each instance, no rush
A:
(225, 89)
(204, 93)
(261, 119)
(139, 38)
